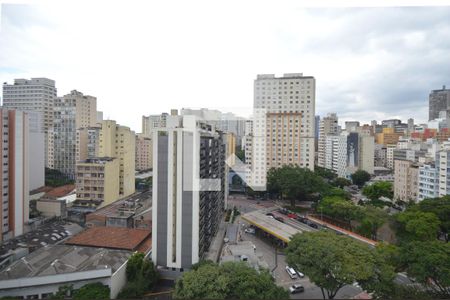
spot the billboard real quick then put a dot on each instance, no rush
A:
(352, 149)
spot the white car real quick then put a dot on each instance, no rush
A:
(250, 230)
(296, 288)
(291, 272)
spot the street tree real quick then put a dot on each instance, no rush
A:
(429, 263)
(360, 177)
(331, 261)
(417, 225)
(371, 219)
(441, 208)
(341, 182)
(230, 280)
(378, 189)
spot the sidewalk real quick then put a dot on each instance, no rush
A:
(216, 245)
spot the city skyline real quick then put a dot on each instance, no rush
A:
(355, 54)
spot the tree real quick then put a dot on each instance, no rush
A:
(325, 173)
(371, 219)
(331, 261)
(429, 263)
(341, 182)
(360, 177)
(336, 192)
(293, 182)
(230, 280)
(441, 208)
(378, 189)
(240, 153)
(92, 291)
(339, 208)
(141, 277)
(417, 225)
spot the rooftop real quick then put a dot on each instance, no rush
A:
(63, 259)
(127, 206)
(97, 160)
(61, 191)
(112, 238)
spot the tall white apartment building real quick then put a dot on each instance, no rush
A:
(188, 190)
(428, 182)
(283, 127)
(33, 95)
(149, 123)
(390, 155)
(328, 126)
(72, 111)
(14, 173)
(335, 150)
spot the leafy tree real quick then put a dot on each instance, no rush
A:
(360, 177)
(63, 291)
(141, 277)
(325, 173)
(371, 218)
(231, 280)
(336, 192)
(240, 153)
(293, 182)
(331, 261)
(341, 182)
(441, 208)
(391, 254)
(92, 291)
(429, 263)
(339, 208)
(378, 189)
(417, 225)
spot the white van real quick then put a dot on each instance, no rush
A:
(291, 272)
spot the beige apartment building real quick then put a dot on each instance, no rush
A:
(119, 142)
(143, 152)
(97, 181)
(230, 141)
(88, 139)
(283, 125)
(72, 111)
(406, 177)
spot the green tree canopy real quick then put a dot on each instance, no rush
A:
(293, 182)
(339, 208)
(378, 189)
(331, 261)
(141, 277)
(429, 263)
(341, 182)
(371, 219)
(325, 173)
(417, 225)
(360, 177)
(440, 207)
(94, 291)
(231, 280)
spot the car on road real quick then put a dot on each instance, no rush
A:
(284, 211)
(291, 272)
(279, 219)
(292, 216)
(313, 225)
(296, 288)
(270, 214)
(250, 230)
(300, 274)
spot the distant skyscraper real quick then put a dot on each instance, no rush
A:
(284, 124)
(188, 190)
(351, 126)
(35, 95)
(14, 190)
(439, 100)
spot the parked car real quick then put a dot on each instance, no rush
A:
(296, 288)
(291, 272)
(279, 219)
(284, 211)
(250, 230)
(270, 214)
(292, 216)
(313, 225)
(300, 274)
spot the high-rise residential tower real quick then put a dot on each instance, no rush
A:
(72, 111)
(188, 190)
(119, 142)
(327, 126)
(439, 100)
(14, 188)
(284, 125)
(34, 95)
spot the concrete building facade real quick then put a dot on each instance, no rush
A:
(428, 182)
(87, 143)
(327, 126)
(14, 188)
(71, 112)
(283, 126)
(33, 95)
(188, 190)
(439, 100)
(144, 159)
(406, 176)
(119, 141)
(335, 158)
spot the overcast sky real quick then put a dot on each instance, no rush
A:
(146, 58)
